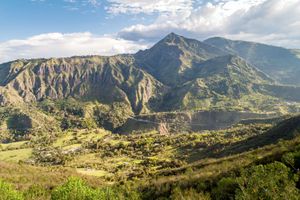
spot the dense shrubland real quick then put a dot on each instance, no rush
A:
(270, 172)
(277, 179)
(221, 164)
(77, 114)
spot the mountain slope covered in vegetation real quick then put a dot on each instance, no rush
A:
(280, 63)
(176, 75)
(143, 80)
(182, 120)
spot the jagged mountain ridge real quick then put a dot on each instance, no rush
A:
(171, 59)
(176, 73)
(107, 79)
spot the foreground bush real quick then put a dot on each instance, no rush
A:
(188, 194)
(8, 193)
(225, 189)
(75, 189)
(36, 192)
(272, 181)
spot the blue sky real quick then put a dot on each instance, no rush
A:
(25, 18)
(55, 28)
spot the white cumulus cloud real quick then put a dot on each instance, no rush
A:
(273, 21)
(63, 45)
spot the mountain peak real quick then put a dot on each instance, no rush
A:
(172, 38)
(172, 35)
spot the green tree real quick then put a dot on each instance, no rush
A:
(113, 116)
(19, 124)
(292, 159)
(8, 193)
(75, 189)
(225, 189)
(273, 181)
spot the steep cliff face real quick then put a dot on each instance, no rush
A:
(107, 79)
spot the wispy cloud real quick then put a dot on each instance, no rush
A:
(94, 3)
(82, 5)
(148, 6)
(75, 4)
(61, 45)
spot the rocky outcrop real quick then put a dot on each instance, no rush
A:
(107, 79)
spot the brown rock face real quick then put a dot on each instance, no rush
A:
(107, 79)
